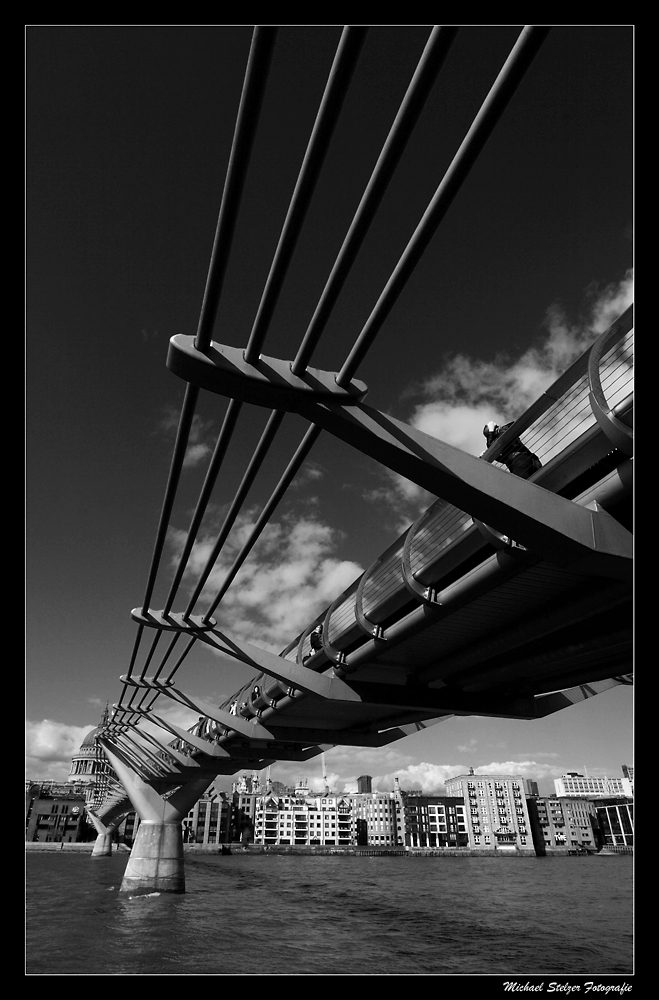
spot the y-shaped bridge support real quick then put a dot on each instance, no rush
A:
(103, 843)
(156, 860)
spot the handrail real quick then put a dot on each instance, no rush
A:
(618, 433)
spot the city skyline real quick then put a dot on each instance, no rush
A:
(128, 134)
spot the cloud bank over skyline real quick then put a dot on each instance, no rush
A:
(344, 766)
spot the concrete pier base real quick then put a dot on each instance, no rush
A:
(156, 860)
(102, 845)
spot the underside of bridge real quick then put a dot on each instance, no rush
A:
(509, 597)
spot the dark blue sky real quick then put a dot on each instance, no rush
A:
(128, 133)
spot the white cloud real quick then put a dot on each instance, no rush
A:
(199, 439)
(195, 453)
(290, 576)
(310, 473)
(522, 768)
(49, 747)
(429, 778)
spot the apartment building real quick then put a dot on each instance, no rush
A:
(434, 821)
(562, 824)
(495, 809)
(575, 785)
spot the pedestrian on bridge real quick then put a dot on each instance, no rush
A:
(515, 456)
(315, 641)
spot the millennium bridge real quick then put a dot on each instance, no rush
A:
(508, 597)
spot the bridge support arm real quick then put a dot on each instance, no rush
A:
(300, 678)
(103, 843)
(548, 525)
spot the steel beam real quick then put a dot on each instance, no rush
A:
(558, 700)
(343, 737)
(225, 719)
(241, 752)
(556, 529)
(548, 525)
(210, 749)
(177, 757)
(327, 686)
(267, 382)
(446, 699)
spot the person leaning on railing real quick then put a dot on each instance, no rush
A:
(515, 456)
(315, 641)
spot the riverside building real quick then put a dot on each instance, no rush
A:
(615, 819)
(54, 812)
(434, 821)
(575, 785)
(209, 820)
(563, 825)
(302, 818)
(495, 808)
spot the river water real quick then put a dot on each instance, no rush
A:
(334, 915)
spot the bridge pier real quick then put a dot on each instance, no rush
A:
(156, 860)
(103, 843)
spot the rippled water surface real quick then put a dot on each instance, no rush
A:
(281, 915)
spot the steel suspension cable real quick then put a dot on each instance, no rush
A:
(180, 660)
(258, 66)
(168, 652)
(136, 646)
(185, 423)
(291, 471)
(519, 60)
(154, 645)
(259, 59)
(154, 695)
(221, 446)
(427, 71)
(345, 61)
(170, 649)
(260, 452)
(432, 59)
(348, 51)
(496, 102)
